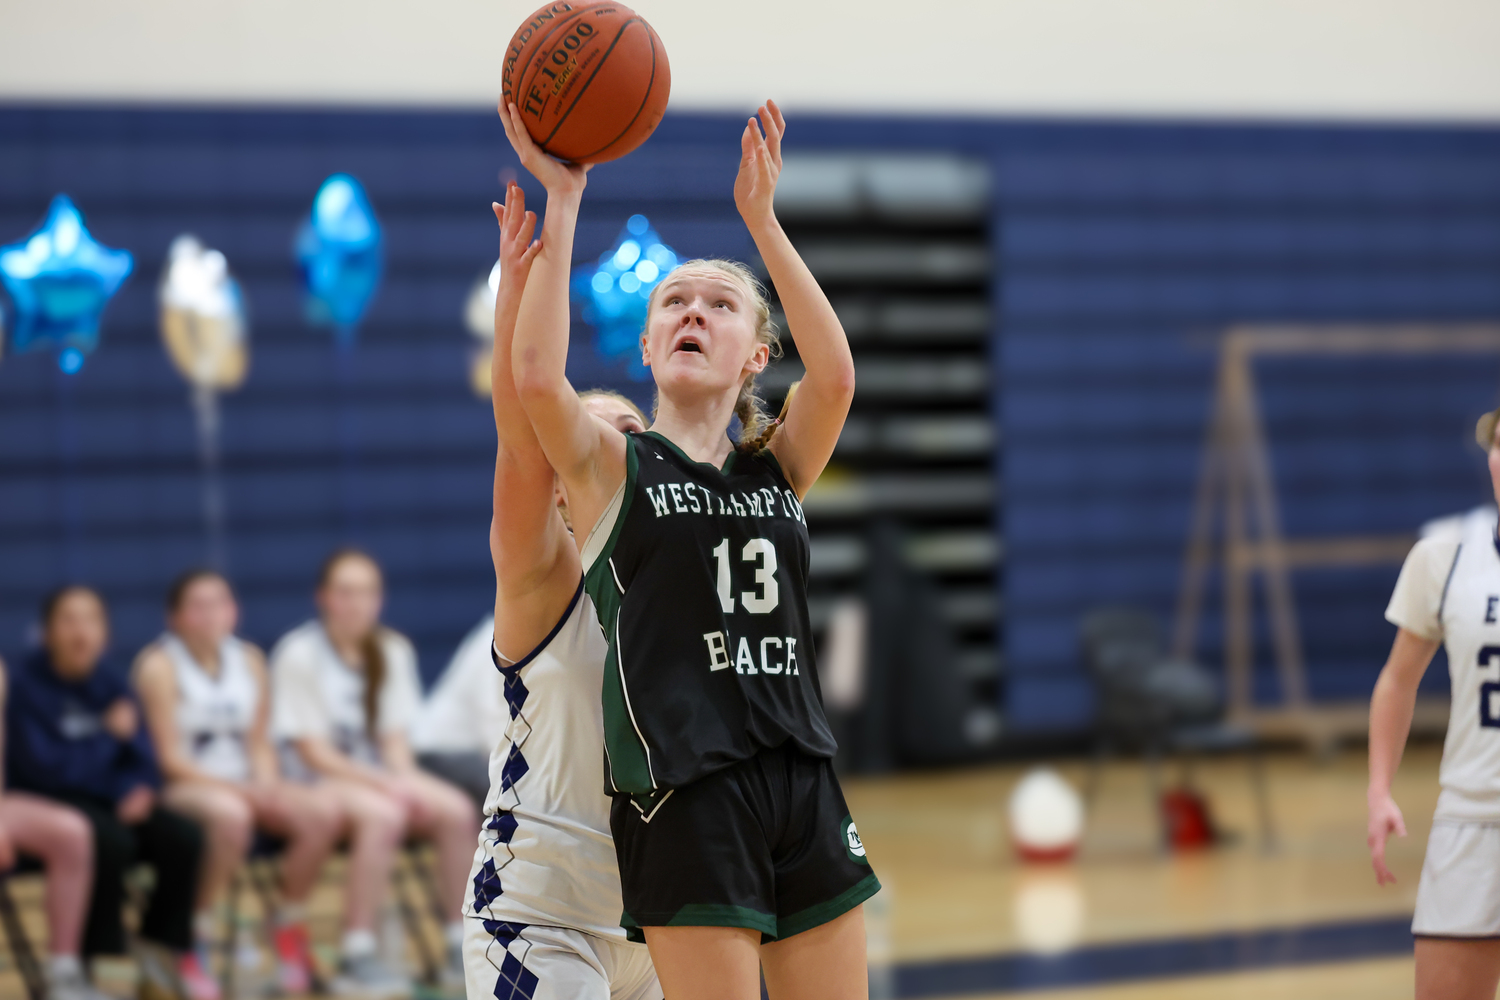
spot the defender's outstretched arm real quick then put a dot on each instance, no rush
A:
(536, 565)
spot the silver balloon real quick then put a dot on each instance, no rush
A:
(204, 330)
(479, 317)
(203, 316)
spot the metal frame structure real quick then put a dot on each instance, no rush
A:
(1236, 493)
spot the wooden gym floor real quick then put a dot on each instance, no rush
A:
(964, 918)
(960, 917)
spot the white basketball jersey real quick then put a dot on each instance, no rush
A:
(1450, 590)
(545, 852)
(214, 713)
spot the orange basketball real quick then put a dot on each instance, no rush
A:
(591, 79)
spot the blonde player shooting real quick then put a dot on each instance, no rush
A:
(545, 889)
(1449, 594)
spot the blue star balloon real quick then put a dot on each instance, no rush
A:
(339, 252)
(615, 292)
(60, 279)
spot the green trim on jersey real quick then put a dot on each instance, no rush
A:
(728, 461)
(627, 759)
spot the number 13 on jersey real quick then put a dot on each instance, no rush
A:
(778, 654)
(762, 554)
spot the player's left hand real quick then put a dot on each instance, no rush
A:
(760, 164)
(136, 805)
(120, 719)
(1385, 820)
(517, 248)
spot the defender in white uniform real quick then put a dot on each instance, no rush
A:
(1449, 594)
(545, 889)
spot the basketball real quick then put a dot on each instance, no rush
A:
(591, 80)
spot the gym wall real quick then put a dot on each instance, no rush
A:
(1118, 252)
(1242, 59)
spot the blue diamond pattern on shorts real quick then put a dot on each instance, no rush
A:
(486, 885)
(504, 826)
(516, 982)
(504, 931)
(515, 768)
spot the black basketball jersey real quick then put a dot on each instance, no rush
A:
(699, 576)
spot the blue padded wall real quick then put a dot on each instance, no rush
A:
(1121, 255)
(388, 448)
(1119, 252)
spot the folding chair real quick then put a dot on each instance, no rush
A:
(259, 871)
(21, 948)
(1161, 706)
(416, 870)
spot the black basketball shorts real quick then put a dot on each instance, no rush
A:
(766, 843)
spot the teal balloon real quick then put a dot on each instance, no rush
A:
(60, 279)
(340, 253)
(615, 292)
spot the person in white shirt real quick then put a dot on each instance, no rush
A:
(1448, 594)
(205, 696)
(344, 692)
(464, 716)
(545, 902)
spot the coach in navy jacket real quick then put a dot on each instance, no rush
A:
(73, 733)
(73, 736)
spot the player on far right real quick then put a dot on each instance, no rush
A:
(1449, 592)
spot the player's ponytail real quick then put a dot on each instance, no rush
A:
(757, 427)
(374, 654)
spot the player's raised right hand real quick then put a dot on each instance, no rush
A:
(1385, 820)
(557, 177)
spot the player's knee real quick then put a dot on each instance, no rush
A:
(320, 821)
(231, 825)
(457, 810)
(70, 840)
(384, 821)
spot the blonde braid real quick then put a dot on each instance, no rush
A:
(757, 432)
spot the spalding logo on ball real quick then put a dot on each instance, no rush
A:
(591, 80)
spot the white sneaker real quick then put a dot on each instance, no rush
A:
(72, 985)
(368, 976)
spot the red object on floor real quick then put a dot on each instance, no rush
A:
(293, 958)
(1185, 816)
(1046, 855)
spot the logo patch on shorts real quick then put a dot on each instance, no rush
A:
(852, 843)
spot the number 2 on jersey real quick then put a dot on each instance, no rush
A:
(1488, 690)
(767, 595)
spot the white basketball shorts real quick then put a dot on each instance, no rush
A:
(1459, 895)
(506, 961)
